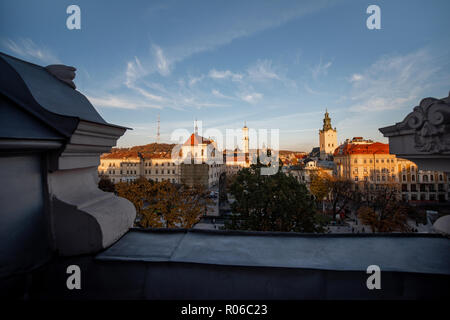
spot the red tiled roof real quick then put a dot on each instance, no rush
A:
(353, 148)
(149, 151)
(195, 139)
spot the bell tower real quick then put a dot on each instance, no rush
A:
(327, 138)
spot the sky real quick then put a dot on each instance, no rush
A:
(269, 64)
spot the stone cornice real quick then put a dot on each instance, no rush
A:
(429, 123)
(424, 135)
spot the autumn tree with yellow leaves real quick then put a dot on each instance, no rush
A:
(320, 185)
(163, 204)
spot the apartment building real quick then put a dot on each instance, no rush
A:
(367, 161)
(130, 164)
(151, 167)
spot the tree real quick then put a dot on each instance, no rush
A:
(342, 194)
(163, 204)
(382, 210)
(275, 202)
(106, 184)
(320, 185)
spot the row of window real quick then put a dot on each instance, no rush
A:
(146, 164)
(376, 161)
(425, 197)
(424, 178)
(133, 179)
(149, 164)
(134, 171)
(378, 178)
(423, 188)
(157, 171)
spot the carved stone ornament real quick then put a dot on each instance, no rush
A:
(431, 123)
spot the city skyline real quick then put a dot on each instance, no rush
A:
(273, 65)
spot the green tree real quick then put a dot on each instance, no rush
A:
(271, 203)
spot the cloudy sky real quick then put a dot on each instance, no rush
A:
(273, 64)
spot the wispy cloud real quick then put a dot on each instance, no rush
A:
(162, 62)
(27, 49)
(215, 74)
(263, 70)
(194, 80)
(111, 101)
(395, 81)
(311, 91)
(321, 69)
(252, 97)
(219, 94)
(356, 77)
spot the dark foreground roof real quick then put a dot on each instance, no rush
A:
(396, 252)
(51, 93)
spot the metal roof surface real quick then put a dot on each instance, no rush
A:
(51, 93)
(402, 253)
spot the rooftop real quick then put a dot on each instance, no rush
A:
(392, 252)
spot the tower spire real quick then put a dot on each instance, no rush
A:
(196, 127)
(326, 121)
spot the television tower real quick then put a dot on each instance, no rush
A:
(157, 131)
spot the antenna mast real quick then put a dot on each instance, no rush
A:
(157, 132)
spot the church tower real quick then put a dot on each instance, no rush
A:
(327, 138)
(245, 142)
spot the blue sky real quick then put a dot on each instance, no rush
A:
(273, 64)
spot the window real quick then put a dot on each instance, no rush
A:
(404, 178)
(440, 177)
(431, 177)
